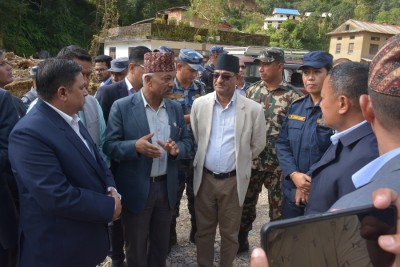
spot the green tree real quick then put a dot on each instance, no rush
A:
(389, 17)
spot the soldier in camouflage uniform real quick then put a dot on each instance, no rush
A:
(185, 91)
(275, 96)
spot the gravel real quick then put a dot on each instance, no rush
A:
(184, 253)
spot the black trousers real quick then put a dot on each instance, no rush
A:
(146, 233)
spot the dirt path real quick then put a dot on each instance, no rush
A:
(184, 253)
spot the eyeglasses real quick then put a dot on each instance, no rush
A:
(242, 66)
(99, 70)
(224, 76)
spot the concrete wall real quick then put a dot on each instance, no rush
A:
(361, 41)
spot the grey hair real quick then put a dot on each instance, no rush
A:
(146, 74)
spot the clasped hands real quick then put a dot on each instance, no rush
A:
(303, 183)
(144, 147)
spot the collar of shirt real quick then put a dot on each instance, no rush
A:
(108, 81)
(232, 102)
(335, 138)
(129, 85)
(73, 121)
(309, 103)
(365, 174)
(241, 88)
(162, 105)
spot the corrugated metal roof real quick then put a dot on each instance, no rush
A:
(361, 26)
(286, 11)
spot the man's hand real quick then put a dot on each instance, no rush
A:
(258, 258)
(170, 146)
(302, 181)
(391, 243)
(301, 197)
(144, 147)
(118, 207)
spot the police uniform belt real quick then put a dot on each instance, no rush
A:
(158, 178)
(223, 175)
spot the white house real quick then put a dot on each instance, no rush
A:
(279, 15)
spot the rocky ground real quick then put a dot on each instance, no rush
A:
(184, 253)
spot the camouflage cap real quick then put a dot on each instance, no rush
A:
(119, 64)
(271, 54)
(164, 49)
(217, 50)
(158, 62)
(192, 58)
(384, 71)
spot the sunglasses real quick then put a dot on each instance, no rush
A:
(242, 66)
(224, 76)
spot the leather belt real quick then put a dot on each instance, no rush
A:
(158, 178)
(221, 175)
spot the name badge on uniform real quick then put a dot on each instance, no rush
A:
(296, 117)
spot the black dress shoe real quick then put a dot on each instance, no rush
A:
(192, 236)
(244, 247)
(243, 242)
(117, 264)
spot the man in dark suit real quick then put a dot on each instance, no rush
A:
(67, 193)
(128, 86)
(8, 219)
(106, 96)
(353, 145)
(381, 109)
(147, 133)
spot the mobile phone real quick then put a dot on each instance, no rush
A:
(339, 238)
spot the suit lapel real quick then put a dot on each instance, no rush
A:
(208, 114)
(139, 113)
(329, 156)
(72, 137)
(122, 89)
(240, 117)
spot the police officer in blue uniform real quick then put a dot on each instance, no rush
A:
(303, 138)
(187, 88)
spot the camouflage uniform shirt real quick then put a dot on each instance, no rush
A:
(275, 103)
(185, 97)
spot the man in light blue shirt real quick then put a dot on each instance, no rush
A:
(230, 132)
(381, 109)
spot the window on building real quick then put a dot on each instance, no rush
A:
(351, 37)
(112, 52)
(339, 38)
(351, 48)
(373, 49)
(373, 38)
(347, 27)
(338, 48)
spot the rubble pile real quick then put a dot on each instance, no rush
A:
(22, 80)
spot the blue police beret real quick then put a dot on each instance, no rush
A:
(192, 58)
(317, 59)
(119, 64)
(217, 50)
(164, 49)
(33, 71)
